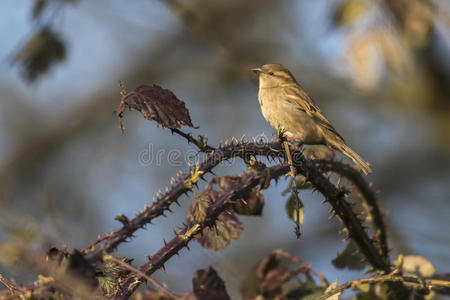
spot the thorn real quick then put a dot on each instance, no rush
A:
(167, 189)
(172, 180)
(187, 247)
(242, 138)
(168, 208)
(210, 171)
(149, 258)
(145, 206)
(163, 268)
(153, 200)
(177, 203)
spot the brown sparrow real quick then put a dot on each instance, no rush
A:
(287, 107)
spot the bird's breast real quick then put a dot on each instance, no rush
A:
(281, 113)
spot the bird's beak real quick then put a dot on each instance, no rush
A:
(257, 70)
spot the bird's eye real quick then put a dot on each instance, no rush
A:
(271, 73)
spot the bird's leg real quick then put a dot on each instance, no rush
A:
(292, 173)
(281, 137)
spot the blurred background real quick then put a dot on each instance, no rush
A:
(379, 70)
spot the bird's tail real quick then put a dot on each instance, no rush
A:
(364, 165)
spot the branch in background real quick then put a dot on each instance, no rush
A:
(427, 284)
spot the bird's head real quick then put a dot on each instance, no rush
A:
(274, 75)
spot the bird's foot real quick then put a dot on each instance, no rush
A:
(281, 135)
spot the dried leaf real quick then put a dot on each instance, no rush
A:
(349, 258)
(272, 273)
(331, 287)
(418, 265)
(227, 226)
(276, 278)
(208, 285)
(156, 103)
(40, 53)
(252, 203)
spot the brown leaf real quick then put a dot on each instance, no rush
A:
(227, 226)
(252, 203)
(208, 285)
(276, 278)
(349, 258)
(156, 103)
(272, 273)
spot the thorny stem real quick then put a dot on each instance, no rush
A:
(184, 236)
(272, 149)
(368, 195)
(199, 142)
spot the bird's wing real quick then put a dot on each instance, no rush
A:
(297, 96)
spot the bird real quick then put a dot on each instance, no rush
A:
(289, 109)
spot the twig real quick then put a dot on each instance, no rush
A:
(184, 236)
(11, 287)
(143, 275)
(427, 283)
(200, 143)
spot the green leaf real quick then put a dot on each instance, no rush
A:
(291, 208)
(40, 54)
